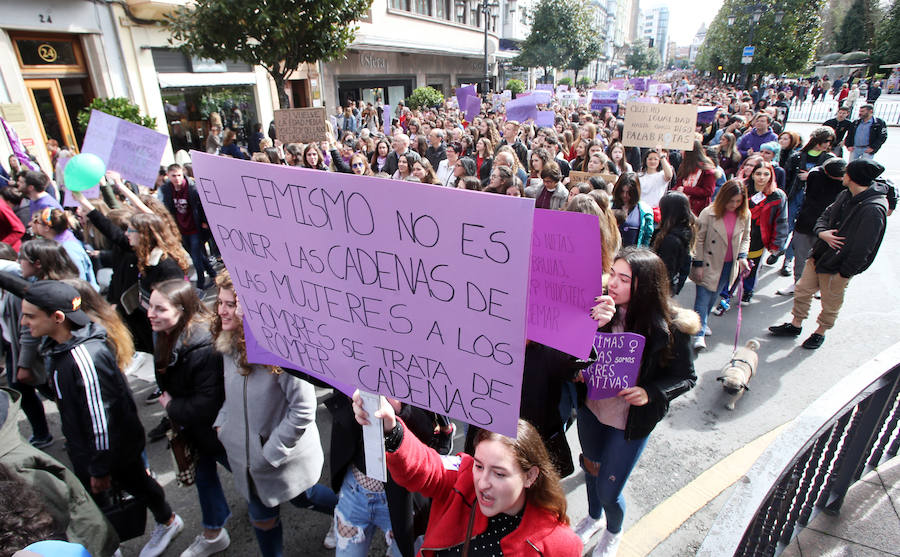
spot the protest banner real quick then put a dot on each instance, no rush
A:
(617, 366)
(386, 117)
(576, 176)
(569, 99)
(566, 276)
(638, 83)
(540, 96)
(522, 109)
(301, 125)
(462, 93)
(350, 280)
(605, 99)
(617, 83)
(560, 89)
(668, 125)
(472, 108)
(544, 87)
(545, 119)
(128, 148)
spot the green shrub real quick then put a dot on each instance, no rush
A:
(119, 107)
(584, 81)
(565, 81)
(516, 86)
(424, 97)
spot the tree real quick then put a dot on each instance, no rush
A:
(642, 58)
(561, 30)
(785, 47)
(278, 35)
(853, 33)
(590, 49)
(887, 38)
(515, 86)
(422, 97)
(118, 107)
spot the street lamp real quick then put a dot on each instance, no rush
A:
(756, 13)
(486, 10)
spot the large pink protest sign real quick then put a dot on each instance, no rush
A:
(131, 150)
(413, 291)
(617, 366)
(566, 276)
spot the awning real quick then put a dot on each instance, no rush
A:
(167, 80)
(393, 44)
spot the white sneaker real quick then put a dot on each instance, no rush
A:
(330, 541)
(203, 546)
(161, 536)
(788, 291)
(608, 544)
(699, 343)
(587, 527)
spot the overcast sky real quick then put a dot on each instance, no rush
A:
(685, 16)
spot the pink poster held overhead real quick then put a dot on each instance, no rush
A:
(416, 292)
(566, 276)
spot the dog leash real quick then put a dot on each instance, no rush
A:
(737, 292)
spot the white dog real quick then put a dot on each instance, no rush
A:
(737, 373)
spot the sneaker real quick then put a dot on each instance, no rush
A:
(587, 527)
(159, 432)
(745, 299)
(785, 330)
(785, 272)
(773, 258)
(699, 343)
(608, 544)
(445, 440)
(707, 331)
(330, 541)
(721, 307)
(161, 537)
(787, 291)
(41, 442)
(154, 396)
(814, 341)
(203, 546)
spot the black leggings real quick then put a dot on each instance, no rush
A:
(133, 478)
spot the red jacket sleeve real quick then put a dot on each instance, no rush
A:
(705, 187)
(11, 228)
(419, 468)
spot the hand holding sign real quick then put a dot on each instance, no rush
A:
(616, 370)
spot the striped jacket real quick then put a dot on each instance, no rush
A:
(97, 412)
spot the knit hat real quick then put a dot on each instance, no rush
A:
(864, 171)
(835, 167)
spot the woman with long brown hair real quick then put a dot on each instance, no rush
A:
(101, 312)
(159, 253)
(189, 372)
(696, 177)
(768, 221)
(636, 226)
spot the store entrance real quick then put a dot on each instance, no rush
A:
(387, 91)
(56, 104)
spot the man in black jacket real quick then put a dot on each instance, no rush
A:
(866, 135)
(850, 231)
(104, 436)
(180, 196)
(841, 124)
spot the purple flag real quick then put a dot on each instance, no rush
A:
(521, 109)
(617, 366)
(541, 96)
(17, 147)
(545, 119)
(566, 275)
(706, 114)
(408, 290)
(473, 107)
(387, 120)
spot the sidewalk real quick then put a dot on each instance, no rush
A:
(868, 525)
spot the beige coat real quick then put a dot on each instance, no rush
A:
(711, 244)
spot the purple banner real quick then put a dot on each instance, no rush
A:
(544, 87)
(605, 99)
(540, 96)
(17, 147)
(387, 120)
(472, 107)
(566, 276)
(545, 119)
(521, 109)
(617, 366)
(408, 290)
(462, 93)
(638, 83)
(131, 150)
(617, 84)
(706, 114)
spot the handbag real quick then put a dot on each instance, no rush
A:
(185, 456)
(131, 298)
(126, 514)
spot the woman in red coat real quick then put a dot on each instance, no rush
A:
(521, 506)
(696, 178)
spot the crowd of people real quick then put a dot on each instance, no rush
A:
(747, 187)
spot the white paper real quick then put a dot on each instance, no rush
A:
(758, 198)
(373, 438)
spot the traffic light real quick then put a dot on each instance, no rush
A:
(720, 68)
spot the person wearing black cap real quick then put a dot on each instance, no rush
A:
(104, 436)
(849, 233)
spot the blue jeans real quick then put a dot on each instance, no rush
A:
(213, 504)
(617, 457)
(194, 245)
(795, 203)
(706, 299)
(319, 497)
(750, 281)
(860, 153)
(359, 511)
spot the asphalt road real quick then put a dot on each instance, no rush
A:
(697, 433)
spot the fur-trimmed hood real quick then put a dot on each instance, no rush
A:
(686, 320)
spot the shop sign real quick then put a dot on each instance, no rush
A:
(39, 52)
(372, 62)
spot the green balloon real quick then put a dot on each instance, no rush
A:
(84, 171)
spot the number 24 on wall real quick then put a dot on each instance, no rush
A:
(45, 18)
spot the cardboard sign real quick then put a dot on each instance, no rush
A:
(131, 150)
(411, 291)
(617, 366)
(576, 176)
(566, 276)
(669, 125)
(301, 125)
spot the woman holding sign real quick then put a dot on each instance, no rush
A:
(614, 431)
(506, 500)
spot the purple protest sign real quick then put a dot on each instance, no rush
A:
(638, 83)
(617, 366)
(521, 109)
(540, 96)
(462, 93)
(605, 99)
(544, 87)
(17, 147)
(412, 291)
(473, 108)
(617, 84)
(566, 276)
(545, 119)
(387, 120)
(131, 150)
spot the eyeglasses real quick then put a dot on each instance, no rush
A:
(358, 165)
(131, 231)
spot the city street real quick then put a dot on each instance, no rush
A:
(697, 434)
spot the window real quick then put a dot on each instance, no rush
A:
(442, 9)
(460, 7)
(423, 7)
(400, 5)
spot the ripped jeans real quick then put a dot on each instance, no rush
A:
(616, 457)
(358, 512)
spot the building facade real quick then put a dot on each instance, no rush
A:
(654, 29)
